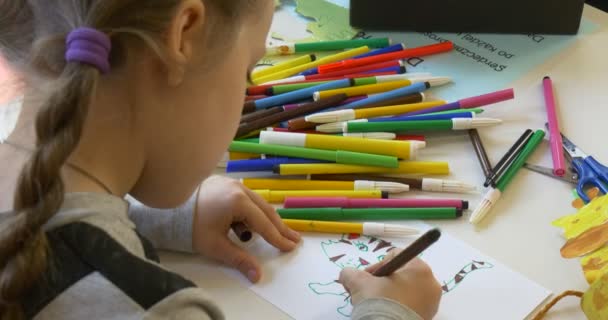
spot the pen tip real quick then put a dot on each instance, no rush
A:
(465, 205)
(385, 194)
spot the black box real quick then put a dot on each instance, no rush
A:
(480, 16)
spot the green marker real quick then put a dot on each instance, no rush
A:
(338, 214)
(494, 194)
(344, 157)
(293, 48)
(422, 125)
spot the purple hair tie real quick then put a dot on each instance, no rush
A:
(90, 46)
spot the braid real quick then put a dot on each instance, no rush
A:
(40, 190)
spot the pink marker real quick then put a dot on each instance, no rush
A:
(342, 202)
(555, 136)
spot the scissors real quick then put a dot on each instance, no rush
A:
(588, 172)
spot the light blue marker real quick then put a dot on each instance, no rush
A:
(301, 94)
(389, 95)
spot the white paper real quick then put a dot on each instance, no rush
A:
(302, 283)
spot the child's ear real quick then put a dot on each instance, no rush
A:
(184, 32)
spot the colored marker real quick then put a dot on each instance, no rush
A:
(494, 194)
(468, 103)
(366, 228)
(245, 128)
(346, 157)
(303, 47)
(339, 214)
(405, 167)
(401, 149)
(505, 162)
(434, 125)
(412, 251)
(407, 53)
(362, 135)
(359, 81)
(301, 123)
(300, 94)
(363, 113)
(278, 196)
(425, 184)
(256, 165)
(359, 70)
(294, 184)
(381, 87)
(480, 151)
(284, 65)
(343, 202)
(555, 137)
(382, 97)
(295, 70)
(447, 115)
(263, 113)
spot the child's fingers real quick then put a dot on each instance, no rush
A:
(237, 258)
(273, 216)
(257, 220)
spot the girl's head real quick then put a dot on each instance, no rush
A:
(154, 126)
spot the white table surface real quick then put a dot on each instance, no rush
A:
(518, 232)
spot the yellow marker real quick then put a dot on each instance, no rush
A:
(284, 66)
(279, 196)
(401, 149)
(353, 114)
(405, 167)
(363, 90)
(367, 228)
(329, 59)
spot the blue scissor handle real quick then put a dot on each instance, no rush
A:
(588, 176)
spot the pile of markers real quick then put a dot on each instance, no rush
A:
(350, 123)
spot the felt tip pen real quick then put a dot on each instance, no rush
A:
(300, 94)
(284, 65)
(338, 214)
(301, 123)
(469, 103)
(412, 251)
(381, 87)
(555, 136)
(339, 156)
(343, 202)
(505, 162)
(303, 47)
(405, 167)
(494, 194)
(401, 149)
(362, 135)
(353, 114)
(403, 54)
(480, 151)
(435, 125)
(278, 196)
(263, 164)
(366, 228)
(424, 184)
(297, 184)
(381, 97)
(295, 70)
(441, 116)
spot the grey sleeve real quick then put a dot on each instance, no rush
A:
(383, 309)
(187, 304)
(169, 229)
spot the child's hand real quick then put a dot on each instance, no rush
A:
(413, 285)
(221, 202)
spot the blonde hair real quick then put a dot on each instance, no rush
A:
(32, 38)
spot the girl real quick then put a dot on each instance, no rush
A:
(128, 95)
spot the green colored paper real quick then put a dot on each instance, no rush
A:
(332, 22)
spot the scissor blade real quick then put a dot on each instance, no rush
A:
(568, 177)
(573, 150)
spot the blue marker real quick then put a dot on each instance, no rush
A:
(398, 70)
(389, 95)
(264, 164)
(445, 116)
(389, 49)
(301, 94)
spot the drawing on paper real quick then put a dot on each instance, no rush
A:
(463, 273)
(359, 252)
(351, 251)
